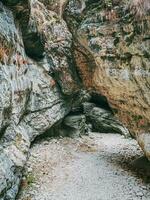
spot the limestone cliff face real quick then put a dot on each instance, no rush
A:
(111, 46)
(37, 82)
(46, 62)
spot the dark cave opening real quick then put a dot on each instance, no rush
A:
(34, 46)
(100, 101)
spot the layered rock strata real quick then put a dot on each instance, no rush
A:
(49, 67)
(111, 48)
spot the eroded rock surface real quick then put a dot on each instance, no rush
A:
(48, 68)
(111, 46)
(36, 92)
(103, 120)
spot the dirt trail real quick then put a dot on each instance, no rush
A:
(95, 167)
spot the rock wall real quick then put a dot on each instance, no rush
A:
(37, 82)
(111, 47)
(46, 64)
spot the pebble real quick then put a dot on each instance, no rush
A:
(101, 172)
(139, 194)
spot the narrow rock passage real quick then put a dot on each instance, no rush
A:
(95, 167)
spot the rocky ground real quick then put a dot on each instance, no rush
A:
(94, 167)
(56, 56)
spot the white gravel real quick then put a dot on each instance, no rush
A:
(95, 167)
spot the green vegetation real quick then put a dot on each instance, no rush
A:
(30, 178)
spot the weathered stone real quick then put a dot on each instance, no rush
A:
(87, 107)
(31, 99)
(112, 57)
(75, 125)
(103, 120)
(39, 82)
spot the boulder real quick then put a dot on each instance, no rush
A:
(103, 121)
(75, 125)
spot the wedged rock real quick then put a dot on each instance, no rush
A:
(75, 125)
(87, 107)
(103, 121)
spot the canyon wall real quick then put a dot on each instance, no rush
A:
(53, 54)
(111, 48)
(37, 82)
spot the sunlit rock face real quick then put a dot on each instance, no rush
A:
(112, 54)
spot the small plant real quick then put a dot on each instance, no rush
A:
(27, 181)
(30, 179)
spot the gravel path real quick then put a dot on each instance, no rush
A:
(95, 167)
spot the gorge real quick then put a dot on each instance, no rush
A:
(67, 68)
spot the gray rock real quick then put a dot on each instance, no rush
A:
(74, 125)
(39, 84)
(31, 100)
(103, 120)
